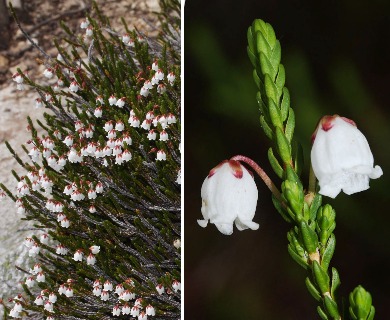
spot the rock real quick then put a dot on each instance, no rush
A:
(4, 64)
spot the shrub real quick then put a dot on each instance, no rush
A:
(103, 183)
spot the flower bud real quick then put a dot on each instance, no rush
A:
(341, 157)
(229, 195)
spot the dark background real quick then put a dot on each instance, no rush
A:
(337, 60)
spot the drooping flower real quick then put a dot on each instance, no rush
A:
(229, 195)
(92, 194)
(150, 310)
(163, 136)
(161, 155)
(29, 242)
(14, 313)
(152, 135)
(68, 140)
(160, 289)
(119, 289)
(107, 286)
(84, 24)
(138, 303)
(177, 243)
(74, 87)
(161, 89)
(171, 118)
(134, 121)
(126, 309)
(91, 260)
(18, 307)
(99, 187)
(89, 31)
(69, 292)
(60, 249)
(144, 91)
(44, 238)
(52, 297)
(159, 75)
(99, 99)
(48, 306)
(48, 73)
(34, 250)
(127, 295)
(148, 85)
(134, 311)
(116, 311)
(37, 268)
(30, 282)
(112, 100)
(38, 103)
(171, 78)
(121, 102)
(104, 296)
(126, 38)
(146, 124)
(97, 291)
(108, 126)
(41, 277)
(62, 289)
(39, 300)
(155, 65)
(17, 78)
(176, 285)
(65, 223)
(126, 155)
(341, 157)
(98, 112)
(78, 255)
(119, 126)
(94, 249)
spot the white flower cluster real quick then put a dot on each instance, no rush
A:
(157, 76)
(17, 308)
(66, 288)
(47, 300)
(67, 146)
(176, 286)
(124, 296)
(91, 260)
(18, 78)
(129, 41)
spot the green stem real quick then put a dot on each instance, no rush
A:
(312, 180)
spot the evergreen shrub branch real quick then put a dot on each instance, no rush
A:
(103, 183)
(311, 240)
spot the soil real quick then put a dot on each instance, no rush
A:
(40, 19)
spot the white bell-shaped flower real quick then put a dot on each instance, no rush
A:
(126, 309)
(341, 157)
(229, 195)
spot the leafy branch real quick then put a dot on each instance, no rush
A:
(311, 240)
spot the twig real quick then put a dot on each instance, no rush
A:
(57, 17)
(20, 269)
(26, 34)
